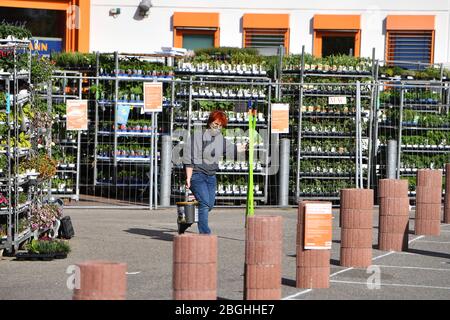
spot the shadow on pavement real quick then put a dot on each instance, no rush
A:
(429, 253)
(164, 235)
(335, 262)
(288, 282)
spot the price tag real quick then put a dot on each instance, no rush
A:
(337, 100)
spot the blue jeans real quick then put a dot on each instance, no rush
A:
(203, 187)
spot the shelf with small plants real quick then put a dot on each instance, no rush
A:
(330, 101)
(25, 127)
(16, 191)
(66, 146)
(418, 119)
(225, 79)
(125, 136)
(225, 62)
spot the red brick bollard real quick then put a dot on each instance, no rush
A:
(263, 250)
(356, 232)
(447, 194)
(313, 266)
(195, 267)
(428, 202)
(101, 280)
(393, 229)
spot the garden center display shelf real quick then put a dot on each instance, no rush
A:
(320, 128)
(17, 189)
(417, 117)
(203, 90)
(119, 85)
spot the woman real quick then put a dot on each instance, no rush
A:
(205, 149)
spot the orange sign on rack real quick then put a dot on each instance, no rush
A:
(77, 115)
(280, 118)
(318, 226)
(153, 97)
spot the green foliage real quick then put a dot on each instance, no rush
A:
(74, 60)
(48, 246)
(17, 31)
(41, 69)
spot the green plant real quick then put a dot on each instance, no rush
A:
(48, 246)
(41, 69)
(15, 30)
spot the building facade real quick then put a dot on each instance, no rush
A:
(398, 30)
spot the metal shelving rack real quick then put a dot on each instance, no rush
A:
(115, 134)
(70, 144)
(193, 88)
(15, 183)
(350, 88)
(402, 130)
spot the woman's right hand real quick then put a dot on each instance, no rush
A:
(188, 183)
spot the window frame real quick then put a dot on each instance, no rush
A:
(319, 34)
(388, 42)
(266, 21)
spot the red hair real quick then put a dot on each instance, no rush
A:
(218, 115)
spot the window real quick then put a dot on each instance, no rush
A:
(198, 41)
(410, 46)
(266, 32)
(195, 30)
(49, 21)
(267, 41)
(337, 34)
(334, 45)
(409, 39)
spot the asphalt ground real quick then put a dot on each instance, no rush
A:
(143, 240)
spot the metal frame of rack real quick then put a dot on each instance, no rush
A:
(13, 182)
(302, 89)
(64, 76)
(191, 79)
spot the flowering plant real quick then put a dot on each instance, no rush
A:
(3, 201)
(43, 216)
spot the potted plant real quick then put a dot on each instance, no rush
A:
(46, 249)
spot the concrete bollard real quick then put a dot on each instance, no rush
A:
(313, 266)
(393, 224)
(356, 215)
(195, 267)
(101, 280)
(263, 251)
(447, 194)
(428, 202)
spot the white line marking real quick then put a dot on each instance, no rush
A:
(383, 255)
(336, 273)
(297, 294)
(418, 268)
(419, 237)
(393, 285)
(132, 273)
(342, 271)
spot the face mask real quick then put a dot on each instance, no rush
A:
(214, 132)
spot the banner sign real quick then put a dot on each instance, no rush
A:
(123, 111)
(280, 118)
(318, 226)
(45, 46)
(153, 97)
(77, 115)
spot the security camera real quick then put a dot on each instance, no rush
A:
(145, 6)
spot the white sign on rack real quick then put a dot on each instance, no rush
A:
(337, 100)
